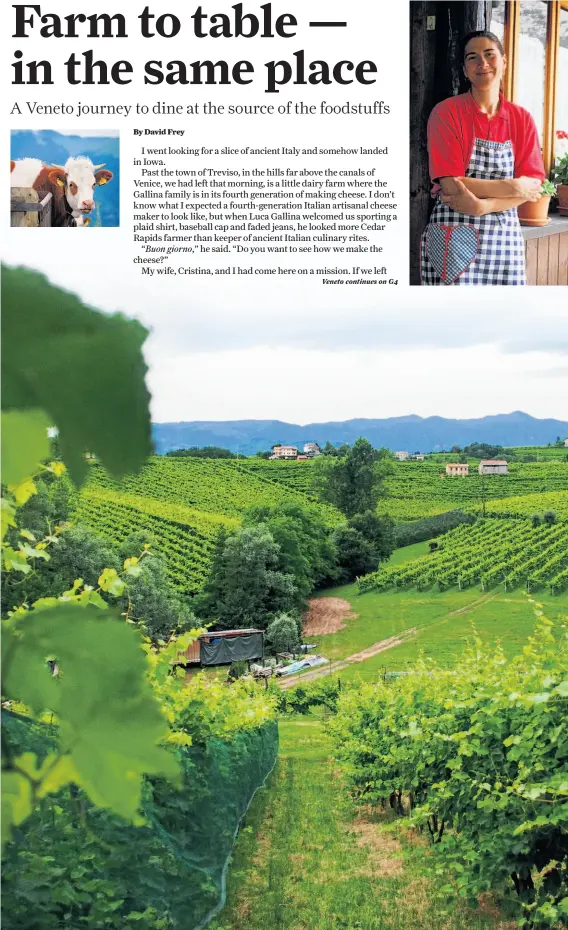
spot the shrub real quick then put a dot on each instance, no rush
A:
(282, 634)
(406, 534)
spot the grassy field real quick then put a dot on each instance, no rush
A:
(306, 860)
(444, 623)
(408, 552)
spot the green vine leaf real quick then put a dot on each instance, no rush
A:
(24, 443)
(55, 352)
(109, 722)
(111, 583)
(16, 802)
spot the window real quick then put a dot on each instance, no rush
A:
(535, 37)
(562, 77)
(531, 60)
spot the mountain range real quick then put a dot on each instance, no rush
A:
(410, 433)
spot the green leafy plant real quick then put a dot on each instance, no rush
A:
(479, 754)
(548, 189)
(54, 352)
(559, 173)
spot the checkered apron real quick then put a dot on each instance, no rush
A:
(460, 249)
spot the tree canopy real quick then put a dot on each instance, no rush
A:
(204, 452)
(353, 482)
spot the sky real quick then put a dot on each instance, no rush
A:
(297, 358)
(282, 348)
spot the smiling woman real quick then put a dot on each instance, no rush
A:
(485, 160)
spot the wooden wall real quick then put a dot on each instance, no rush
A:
(547, 260)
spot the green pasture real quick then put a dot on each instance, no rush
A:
(444, 622)
(408, 552)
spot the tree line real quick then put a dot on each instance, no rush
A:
(264, 571)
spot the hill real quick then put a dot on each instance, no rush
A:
(422, 489)
(410, 432)
(182, 504)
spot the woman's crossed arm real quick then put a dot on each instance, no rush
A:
(476, 197)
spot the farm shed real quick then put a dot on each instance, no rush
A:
(225, 647)
(493, 467)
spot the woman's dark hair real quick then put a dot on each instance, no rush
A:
(481, 34)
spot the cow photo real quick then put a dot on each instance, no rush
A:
(76, 186)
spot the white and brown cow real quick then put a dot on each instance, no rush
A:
(72, 186)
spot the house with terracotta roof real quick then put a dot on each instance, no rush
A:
(493, 467)
(457, 469)
(284, 452)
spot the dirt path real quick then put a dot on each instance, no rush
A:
(473, 606)
(371, 651)
(368, 653)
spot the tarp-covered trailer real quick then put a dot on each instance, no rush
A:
(225, 647)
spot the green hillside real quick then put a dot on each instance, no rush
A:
(183, 502)
(421, 489)
(512, 552)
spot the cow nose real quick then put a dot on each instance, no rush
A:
(87, 204)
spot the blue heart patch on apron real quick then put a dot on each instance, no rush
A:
(451, 249)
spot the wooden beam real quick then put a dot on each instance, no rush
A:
(511, 45)
(550, 82)
(422, 64)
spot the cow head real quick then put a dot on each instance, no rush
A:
(79, 178)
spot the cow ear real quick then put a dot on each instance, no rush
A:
(56, 176)
(12, 166)
(103, 177)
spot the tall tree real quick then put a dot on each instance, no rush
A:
(361, 544)
(245, 588)
(355, 482)
(306, 549)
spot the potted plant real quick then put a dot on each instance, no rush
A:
(536, 213)
(559, 174)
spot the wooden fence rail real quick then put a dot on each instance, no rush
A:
(26, 209)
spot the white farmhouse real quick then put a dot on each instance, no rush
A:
(493, 467)
(566, 443)
(311, 449)
(401, 456)
(457, 469)
(284, 452)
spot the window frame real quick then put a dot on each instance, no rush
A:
(511, 46)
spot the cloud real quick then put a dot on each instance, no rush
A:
(303, 386)
(557, 371)
(202, 317)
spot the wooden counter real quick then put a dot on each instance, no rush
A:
(547, 252)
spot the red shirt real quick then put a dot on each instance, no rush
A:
(457, 122)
